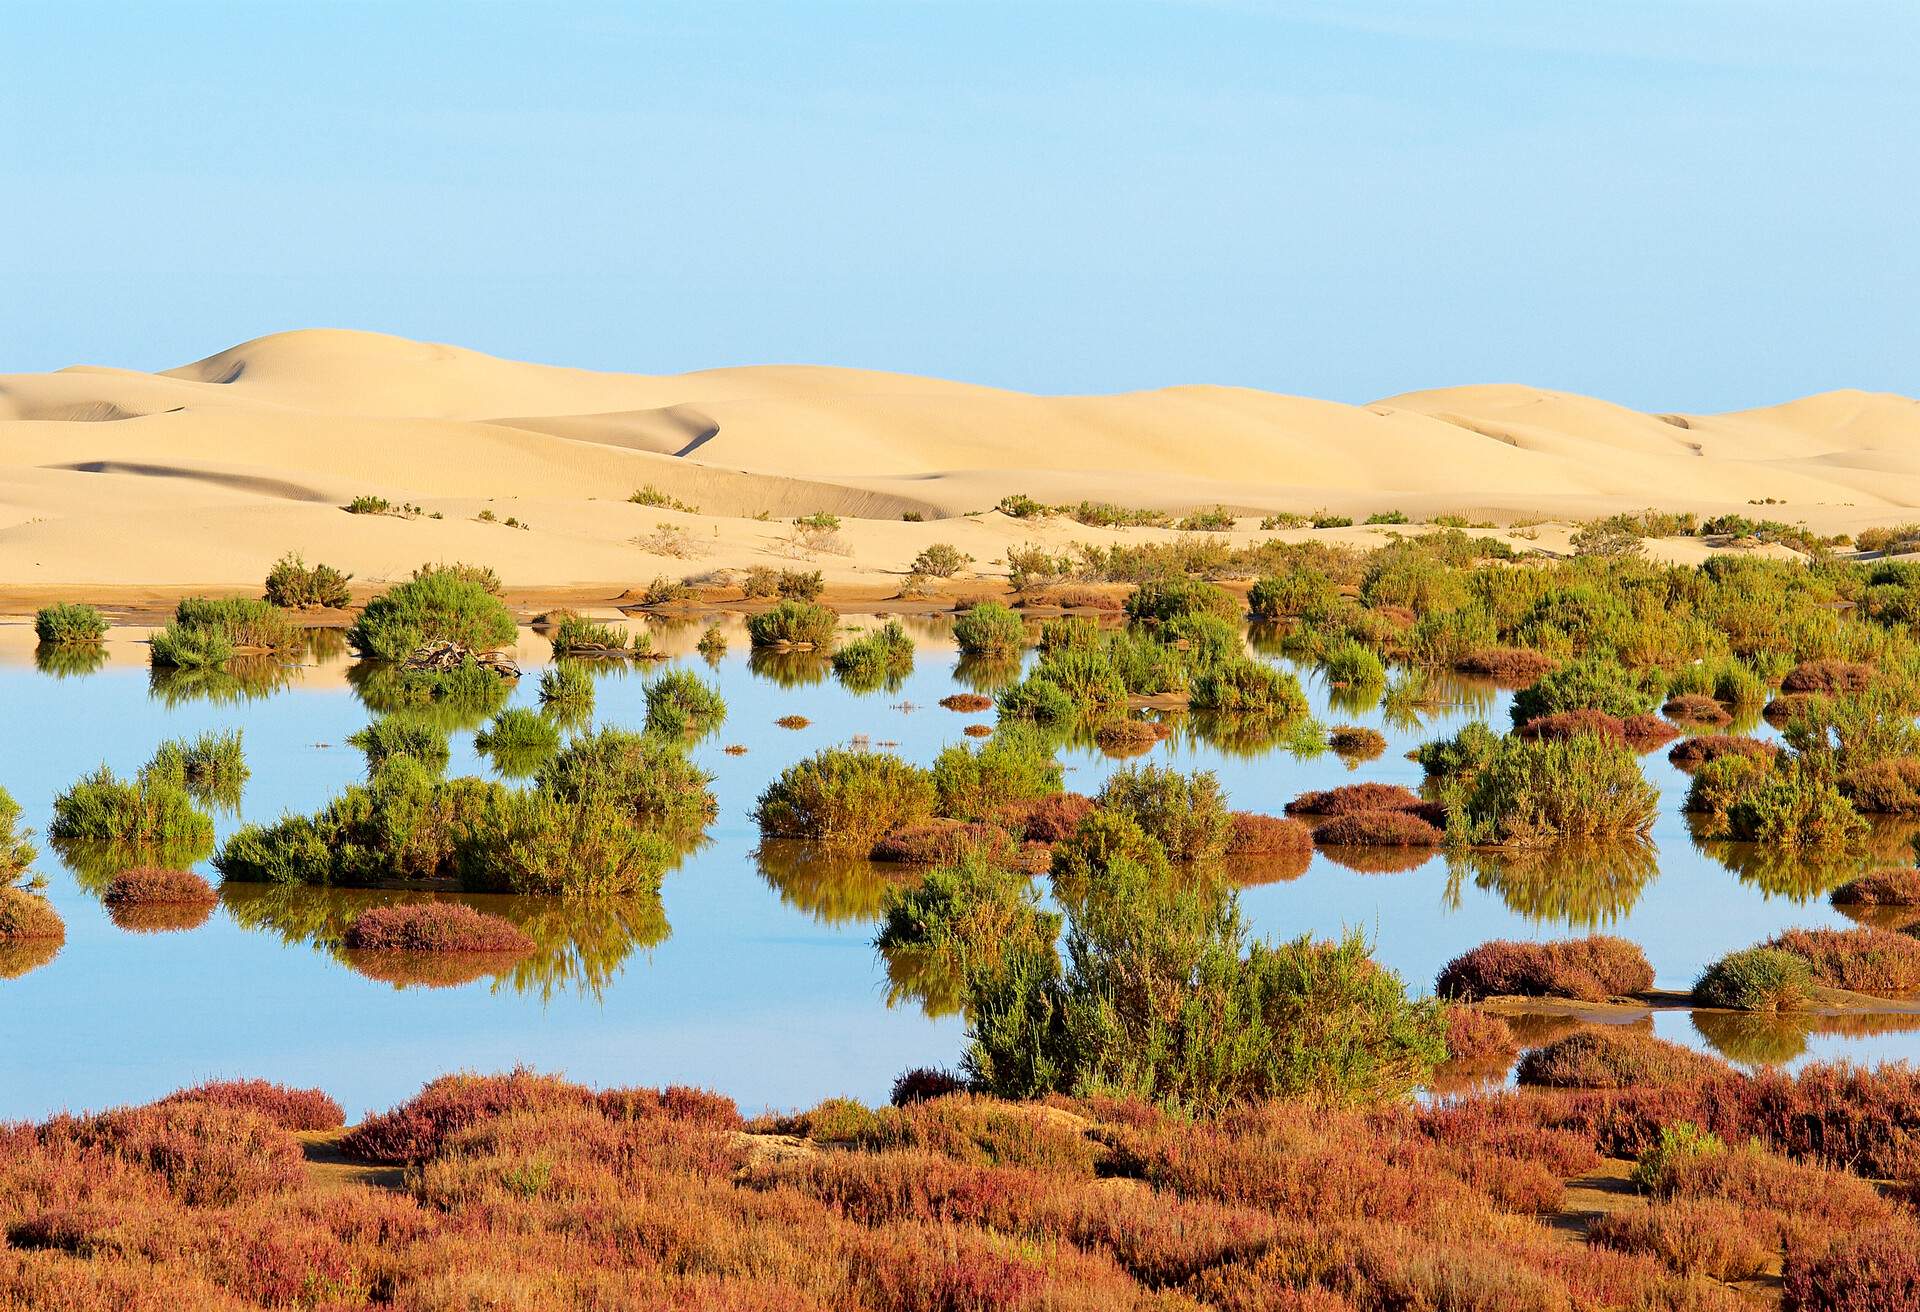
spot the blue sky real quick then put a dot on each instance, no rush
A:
(1682, 204)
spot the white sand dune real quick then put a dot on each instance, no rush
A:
(203, 474)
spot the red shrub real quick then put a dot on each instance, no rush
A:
(942, 841)
(1696, 1237)
(1646, 732)
(1786, 706)
(1828, 677)
(676, 1102)
(1864, 960)
(208, 1155)
(1377, 829)
(922, 1083)
(1877, 1270)
(967, 701)
(1696, 708)
(434, 927)
(1348, 799)
(27, 916)
(288, 1108)
(1692, 753)
(1052, 819)
(1592, 969)
(1613, 1058)
(1520, 666)
(1570, 724)
(415, 1129)
(1897, 887)
(1353, 740)
(1473, 1035)
(149, 886)
(1267, 835)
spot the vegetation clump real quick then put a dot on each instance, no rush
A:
(1515, 665)
(402, 735)
(156, 886)
(1013, 769)
(1828, 677)
(147, 812)
(1897, 887)
(680, 702)
(1863, 960)
(1610, 1057)
(209, 631)
(1161, 600)
(440, 604)
(292, 584)
(518, 741)
(1692, 753)
(881, 658)
(1592, 969)
(434, 927)
(1252, 834)
(67, 623)
(1378, 829)
(1585, 685)
(990, 629)
(1185, 816)
(578, 638)
(1356, 742)
(1547, 790)
(26, 916)
(844, 798)
(1756, 979)
(793, 624)
(567, 687)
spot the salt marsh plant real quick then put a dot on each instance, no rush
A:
(518, 741)
(882, 658)
(1756, 979)
(679, 703)
(209, 631)
(844, 798)
(439, 604)
(1596, 685)
(1547, 790)
(567, 688)
(149, 811)
(1244, 686)
(576, 637)
(294, 585)
(16, 841)
(990, 629)
(1592, 969)
(69, 622)
(1186, 815)
(212, 767)
(793, 624)
(1166, 599)
(391, 736)
(1015, 766)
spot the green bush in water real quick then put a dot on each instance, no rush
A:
(1015, 765)
(679, 702)
(149, 811)
(1250, 687)
(1354, 665)
(1300, 591)
(1039, 700)
(211, 768)
(990, 629)
(1464, 754)
(439, 604)
(68, 622)
(1172, 599)
(539, 844)
(1791, 805)
(1594, 684)
(518, 741)
(844, 798)
(881, 658)
(16, 848)
(646, 775)
(1756, 979)
(1546, 790)
(1185, 814)
(793, 623)
(566, 684)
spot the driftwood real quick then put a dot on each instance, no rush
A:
(442, 657)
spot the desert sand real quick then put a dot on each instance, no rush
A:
(117, 485)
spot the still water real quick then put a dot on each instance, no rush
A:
(754, 974)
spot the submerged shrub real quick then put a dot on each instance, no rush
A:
(1586, 685)
(990, 629)
(1592, 969)
(577, 637)
(211, 768)
(844, 798)
(518, 741)
(208, 631)
(537, 842)
(149, 811)
(402, 735)
(433, 927)
(439, 604)
(680, 702)
(295, 585)
(69, 622)
(1548, 790)
(566, 685)
(884, 656)
(1185, 814)
(1015, 766)
(1610, 1057)
(1356, 741)
(793, 624)
(1756, 979)
(1692, 753)
(1244, 686)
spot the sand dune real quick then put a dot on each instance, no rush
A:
(203, 474)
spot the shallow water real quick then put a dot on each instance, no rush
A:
(752, 975)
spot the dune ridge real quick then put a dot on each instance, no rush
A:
(208, 471)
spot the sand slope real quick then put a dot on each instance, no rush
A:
(204, 473)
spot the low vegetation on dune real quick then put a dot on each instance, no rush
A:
(792, 623)
(440, 604)
(292, 584)
(66, 623)
(1592, 969)
(434, 927)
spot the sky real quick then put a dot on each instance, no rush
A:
(1674, 204)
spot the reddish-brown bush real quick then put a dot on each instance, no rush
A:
(1896, 887)
(1350, 798)
(288, 1108)
(967, 701)
(1126, 736)
(434, 927)
(1253, 834)
(1356, 741)
(1051, 819)
(207, 1155)
(1865, 960)
(1828, 677)
(1784, 707)
(676, 1102)
(1692, 753)
(152, 886)
(1570, 724)
(924, 1082)
(1519, 666)
(1377, 829)
(1696, 708)
(1609, 1057)
(1646, 732)
(1473, 1035)
(416, 1128)
(28, 917)
(942, 841)
(1875, 1270)
(1694, 1236)
(1592, 969)
(978, 731)
(1889, 786)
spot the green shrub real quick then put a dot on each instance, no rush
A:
(942, 560)
(147, 812)
(566, 684)
(16, 849)
(1322, 519)
(794, 624)
(292, 584)
(1039, 700)
(189, 649)
(1015, 765)
(712, 644)
(1146, 666)
(1302, 590)
(211, 768)
(763, 581)
(680, 702)
(646, 775)
(1791, 805)
(797, 585)
(882, 657)
(990, 629)
(1595, 684)
(1186, 815)
(439, 604)
(658, 500)
(1248, 686)
(575, 636)
(518, 741)
(402, 735)
(1021, 506)
(1680, 1143)
(844, 798)
(540, 844)
(1217, 519)
(1069, 631)
(1169, 599)
(1354, 665)
(1757, 979)
(69, 622)
(1464, 754)
(1543, 790)
(1388, 517)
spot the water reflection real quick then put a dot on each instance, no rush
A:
(242, 679)
(580, 944)
(95, 863)
(1754, 1039)
(159, 917)
(834, 887)
(1249, 736)
(789, 669)
(1579, 885)
(986, 674)
(387, 689)
(69, 660)
(20, 956)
